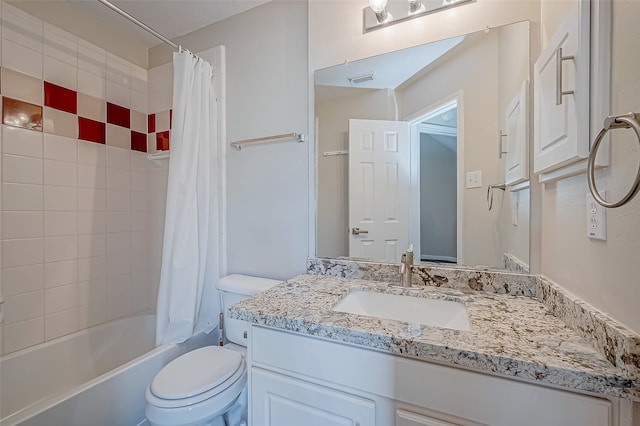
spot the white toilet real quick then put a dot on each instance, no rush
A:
(207, 386)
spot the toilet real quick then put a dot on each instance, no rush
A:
(208, 386)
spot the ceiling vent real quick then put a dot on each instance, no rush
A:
(361, 78)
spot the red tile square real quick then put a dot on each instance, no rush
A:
(162, 141)
(120, 116)
(151, 123)
(21, 114)
(90, 130)
(138, 141)
(60, 98)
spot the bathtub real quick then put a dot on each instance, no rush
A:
(93, 377)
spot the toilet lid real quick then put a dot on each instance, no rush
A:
(196, 372)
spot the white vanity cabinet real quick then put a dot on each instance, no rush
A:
(297, 379)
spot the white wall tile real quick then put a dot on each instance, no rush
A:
(119, 307)
(118, 94)
(92, 268)
(92, 84)
(60, 173)
(92, 153)
(60, 273)
(119, 70)
(18, 169)
(139, 102)
(60, 148)
(21, 142)
(92, 245)
(60, 223)
(92, 292)
(61, 323)
(118, 158)
(140, 221)
(118, 178)
(22, 252)
(92, 199)
(22, 335)
(140, 181)
(138, 79)
(140, 201)
(23, 307)
(138, 121)
(60, 73)
(119, 285)
(17, 196)
(60, 298)
(163, 121)
(60, 44)
(119, 243)
(23, 279)
(60, 248)
(21, 27)
(118, 221)
(92, 222)
(92, 58)
(118, 264)
(20, 58)
(92, 314)
(61, 198)
(21, 224)
(140, 162)
(118, 200)
(91, 176)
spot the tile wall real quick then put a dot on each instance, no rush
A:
(82, 208)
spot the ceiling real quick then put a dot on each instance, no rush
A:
(98, 24)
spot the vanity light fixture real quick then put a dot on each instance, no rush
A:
(379, 7)
(382, 13)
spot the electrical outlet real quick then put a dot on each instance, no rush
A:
(596, 219)
(474, 179)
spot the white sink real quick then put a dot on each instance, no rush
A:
(414, 310)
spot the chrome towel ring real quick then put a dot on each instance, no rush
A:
(490, 189)
(625, 121)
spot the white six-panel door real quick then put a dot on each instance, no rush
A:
(379, 185)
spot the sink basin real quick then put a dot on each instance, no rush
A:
(414, 310)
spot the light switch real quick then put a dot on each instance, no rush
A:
(474, 179)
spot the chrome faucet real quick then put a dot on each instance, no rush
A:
(406, 261)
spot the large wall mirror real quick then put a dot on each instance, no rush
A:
(407, 144)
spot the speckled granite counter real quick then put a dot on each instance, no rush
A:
(510, 335)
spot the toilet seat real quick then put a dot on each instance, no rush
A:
(196, 376)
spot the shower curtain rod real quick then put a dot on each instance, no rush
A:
(140, 24)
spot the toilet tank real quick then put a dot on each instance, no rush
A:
(233, 289)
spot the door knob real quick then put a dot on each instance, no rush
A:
(358, 231)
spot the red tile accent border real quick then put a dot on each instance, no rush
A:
(151, 123)
(170, 118)
(60, 98)
(21, 114)
(92, 131)
(162, 141)
(120, 116)
(138, 141)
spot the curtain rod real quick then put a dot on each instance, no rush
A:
(140, 24)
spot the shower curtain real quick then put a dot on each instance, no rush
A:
(187, 301)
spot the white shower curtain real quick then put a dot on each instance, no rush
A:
(187, 301)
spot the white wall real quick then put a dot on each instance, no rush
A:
(267, 94)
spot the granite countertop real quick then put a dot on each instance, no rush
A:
(510, 335)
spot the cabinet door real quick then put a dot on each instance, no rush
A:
(279, 400)
(517, 123)
(561, 122)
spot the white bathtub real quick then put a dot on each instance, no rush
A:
(95, 377)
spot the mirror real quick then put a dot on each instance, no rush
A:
(450, 102)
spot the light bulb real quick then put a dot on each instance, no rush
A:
(378, 6)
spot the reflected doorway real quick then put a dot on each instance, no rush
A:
(436, 198)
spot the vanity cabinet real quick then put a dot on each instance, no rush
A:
(297, 379)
